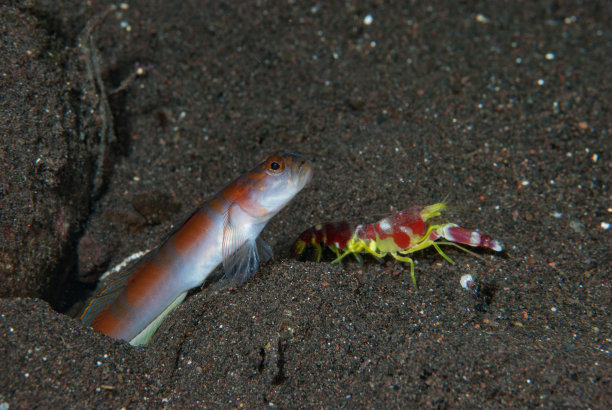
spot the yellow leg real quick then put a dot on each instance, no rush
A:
(299, 247)
(409, 260)
(355, 249)
(379, 256)
(442, 253)
(318, 252)
(340, 257)
(418, 247)
(335, 249)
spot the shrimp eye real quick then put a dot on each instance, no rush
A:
(275, 164)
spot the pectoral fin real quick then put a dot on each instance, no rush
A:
(240, 255)
(242, 264)
(264, 250)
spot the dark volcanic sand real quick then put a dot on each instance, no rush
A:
(503, 107)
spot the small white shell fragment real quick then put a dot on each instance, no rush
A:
(481, 18)
(465, 280)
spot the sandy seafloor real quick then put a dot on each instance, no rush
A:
(501, 107)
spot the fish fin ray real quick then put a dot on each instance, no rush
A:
(265, 251)
(102, 299)
(240, 262)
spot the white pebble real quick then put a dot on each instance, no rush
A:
(481, 18)
(570, 20)
(367, 20)
(465, 280)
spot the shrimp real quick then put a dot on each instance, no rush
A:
(398, 235)
(225, 230)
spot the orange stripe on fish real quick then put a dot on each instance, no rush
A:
(190, 232)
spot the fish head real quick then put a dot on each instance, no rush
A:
(268, 187)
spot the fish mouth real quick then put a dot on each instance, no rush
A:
(304, 172)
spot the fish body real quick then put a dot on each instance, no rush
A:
(224, 231)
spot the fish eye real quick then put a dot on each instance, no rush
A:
(275, 164)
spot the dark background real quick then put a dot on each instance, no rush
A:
(503, 107)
